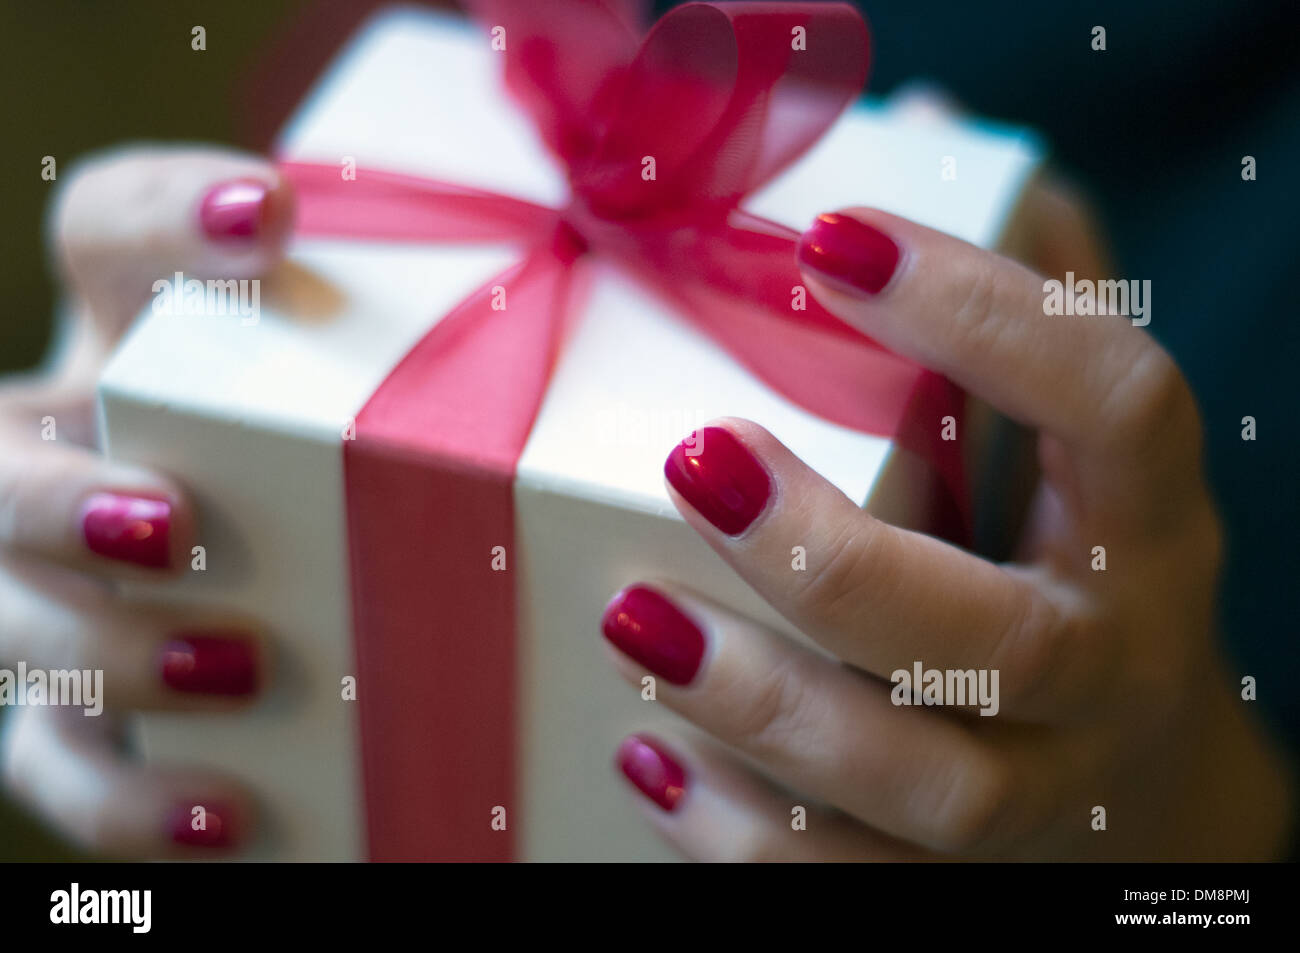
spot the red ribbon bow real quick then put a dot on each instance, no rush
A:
(661, 140)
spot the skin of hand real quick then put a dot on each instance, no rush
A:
(72, 524)
(1112, 692)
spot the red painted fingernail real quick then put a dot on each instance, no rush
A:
(209, 665)
(203, 824)
(848, 254)
(649, 628)
(656, 773)
(720, 477)
(236, 210)
(133, 529)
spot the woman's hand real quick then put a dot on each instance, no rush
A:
(1111, 693)
(71, 523)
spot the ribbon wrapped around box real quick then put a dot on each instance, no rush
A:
(438, 449)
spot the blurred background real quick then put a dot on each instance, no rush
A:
(1153, 129)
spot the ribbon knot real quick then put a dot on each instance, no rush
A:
(568, 243)
(662, 139)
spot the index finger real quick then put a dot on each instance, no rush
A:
(1098, 383)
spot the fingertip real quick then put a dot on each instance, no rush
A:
(147, 528)
(652, 769)
(648, 626)
(126, 219)
(849, 254)
(720, 477)
(200, 664)
(74, 776)
(248, 210)
(215, 822)
(132, 480)
(131, 528)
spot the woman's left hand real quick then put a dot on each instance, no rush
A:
(1112, 703)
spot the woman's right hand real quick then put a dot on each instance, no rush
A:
(72, 524)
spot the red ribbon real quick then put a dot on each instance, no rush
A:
(722, 98)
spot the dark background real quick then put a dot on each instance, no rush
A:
(1153, 129)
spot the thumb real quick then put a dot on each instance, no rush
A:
(128, 218)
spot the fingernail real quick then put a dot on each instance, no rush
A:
(209, 665)
(236, 210)
(645, 625)
(720, 478)
(203, 824)
(655, 772)
(133, 529)
(848, 254)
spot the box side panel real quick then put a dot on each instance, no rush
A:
(574, 707)
(271, 521)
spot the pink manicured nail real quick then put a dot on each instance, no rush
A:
(643, 624)
(236, 210)
(848, 254)
(720, 478)
(656, 773)
(209, 665)
(133, 529)
(213, 826)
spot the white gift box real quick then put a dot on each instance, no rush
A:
(249, 415)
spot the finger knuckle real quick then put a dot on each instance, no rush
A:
(971, 799)
(1038, 645)
(1150, 405)
(36, 493)
(974, 323)
(832, 585)
(773, 718)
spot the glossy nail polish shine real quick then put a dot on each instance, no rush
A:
(851, 256)
(646, 626)
(209, 664)
(656, 773)
(214, 826)
(131, 529)
(235, 210)
(721, 478)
